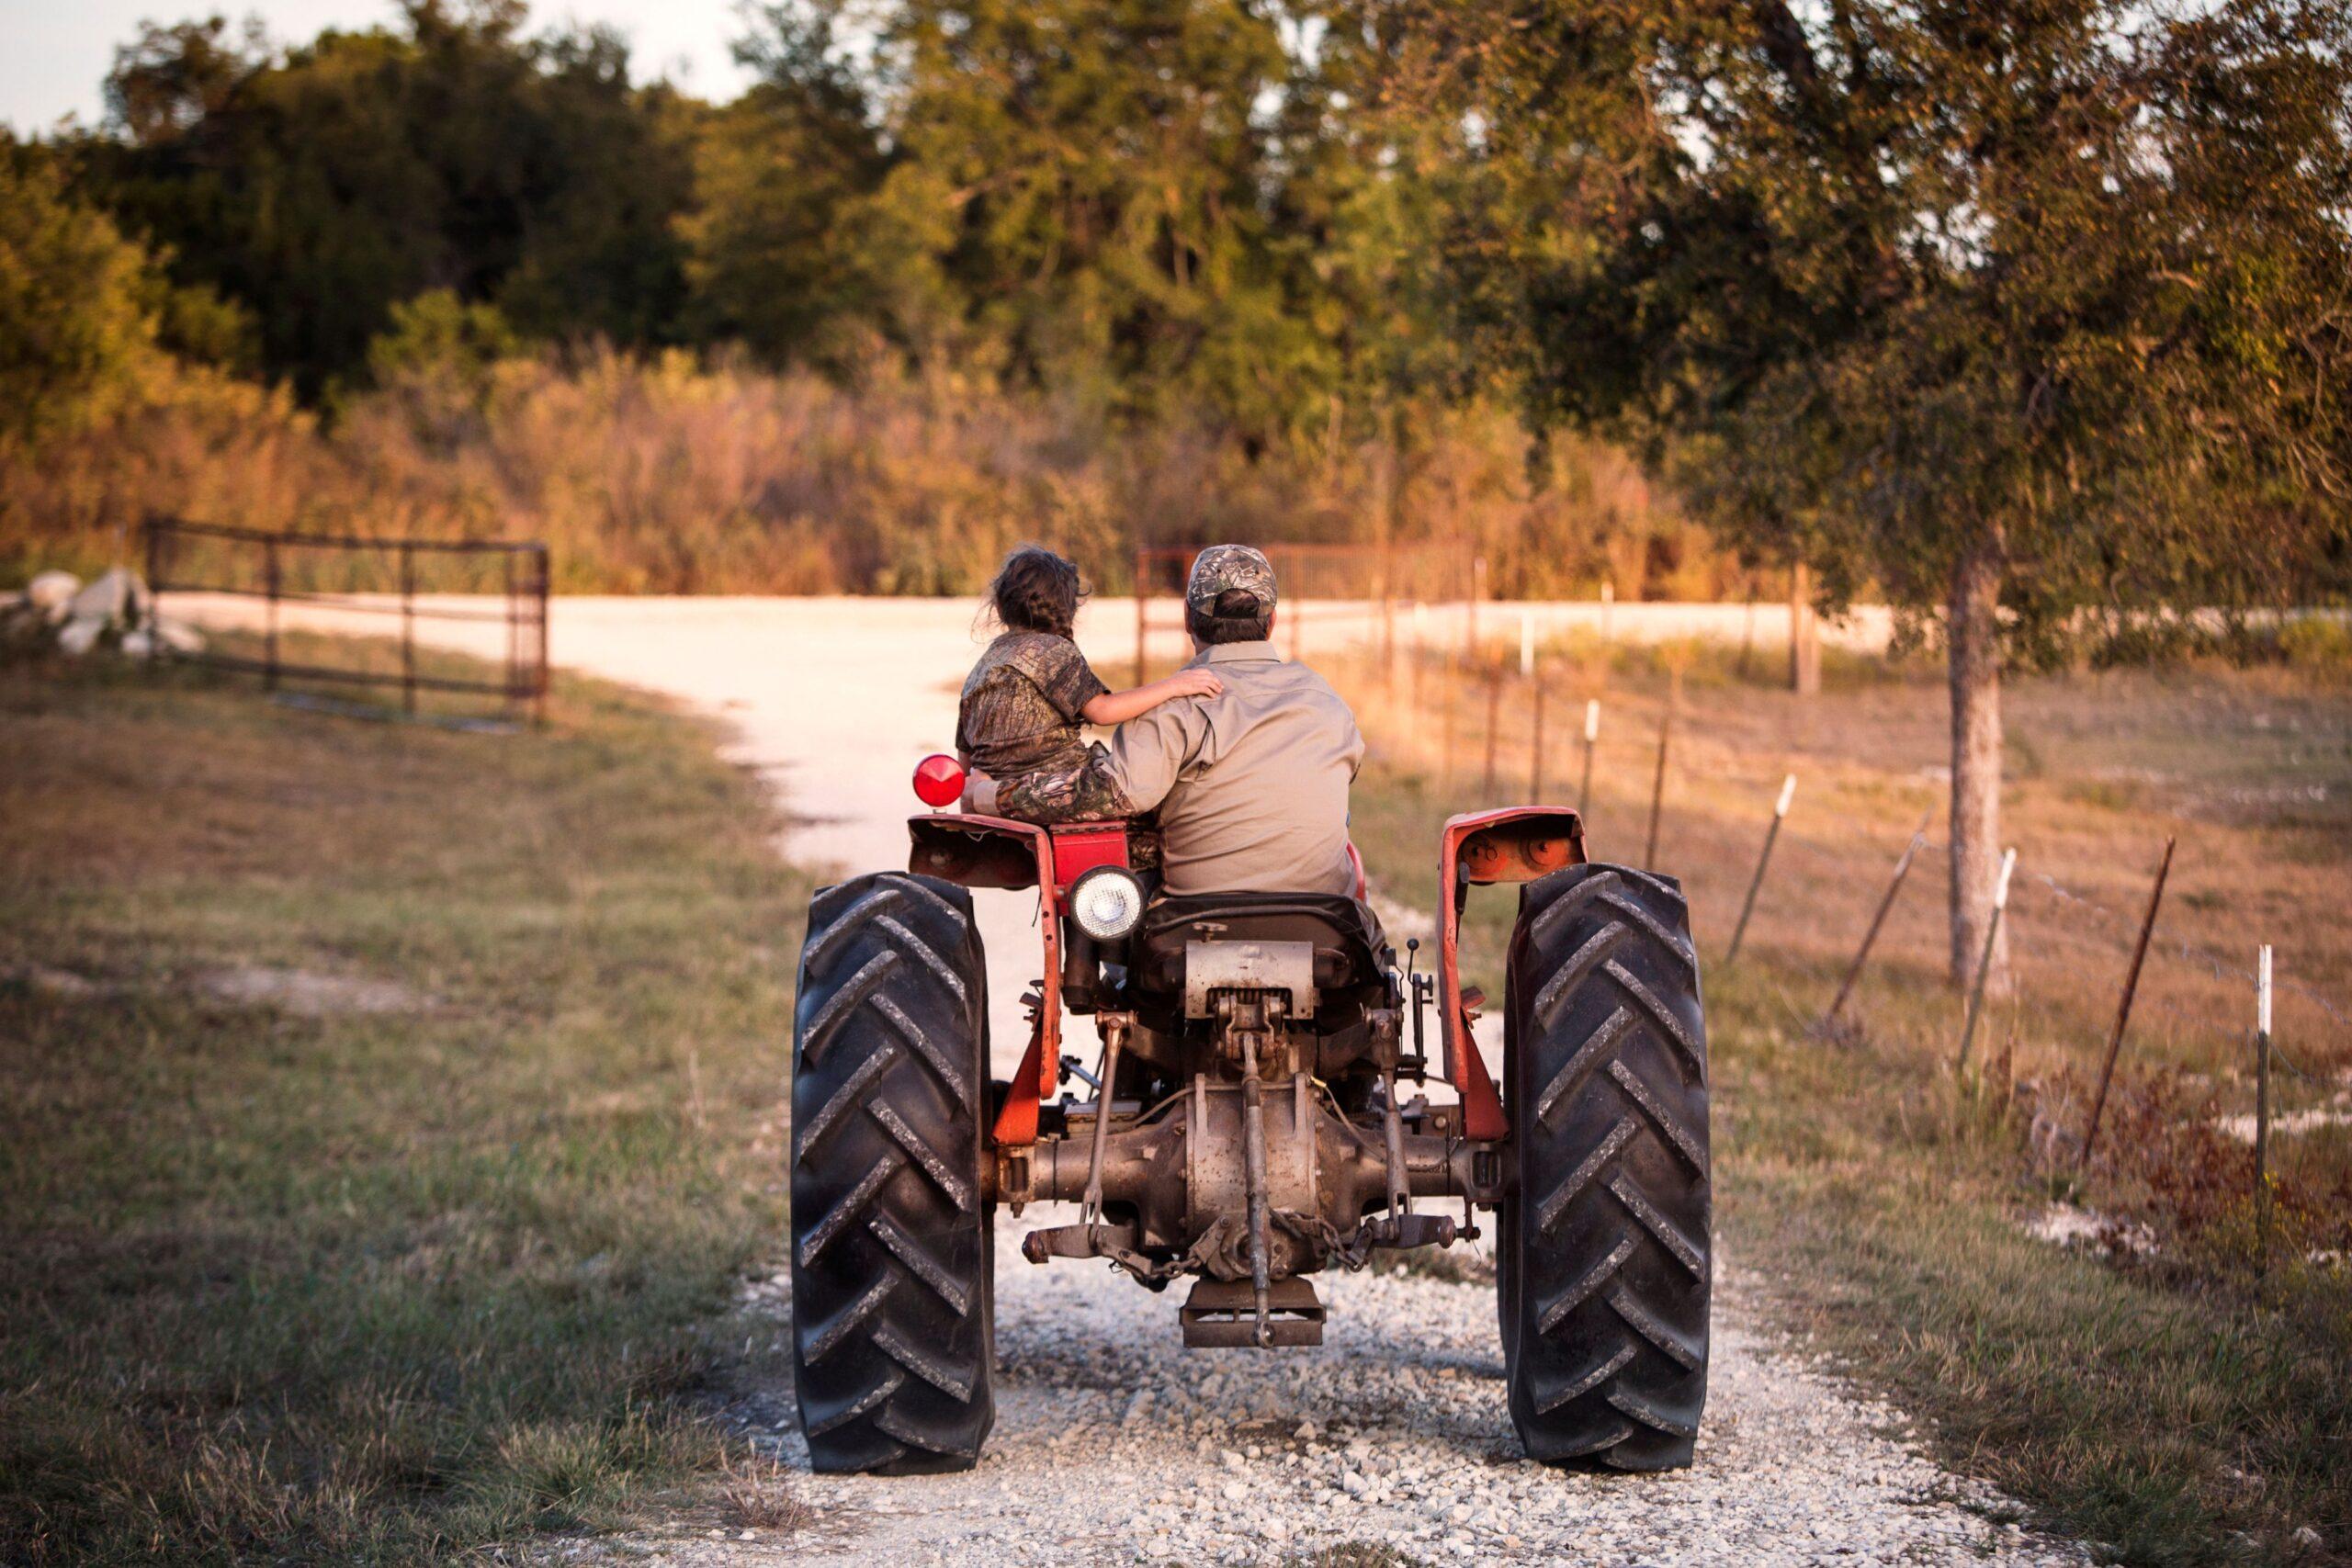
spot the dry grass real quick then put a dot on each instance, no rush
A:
(757, 1493)
(670, 476)
(2183, 1408)
(290, 1285)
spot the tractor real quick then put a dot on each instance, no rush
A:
(1254, 1115)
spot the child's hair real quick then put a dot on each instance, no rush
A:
(1036, 591)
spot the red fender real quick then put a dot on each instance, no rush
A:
(1515, 843)
(997, 851)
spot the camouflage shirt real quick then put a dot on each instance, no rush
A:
(1022, 706)
(1250, 787)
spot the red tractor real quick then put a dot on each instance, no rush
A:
(1247, 1124)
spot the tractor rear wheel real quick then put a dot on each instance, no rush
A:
(1604, 1256)
(892, 1252)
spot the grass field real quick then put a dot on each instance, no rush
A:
(390, 1113)
(2176, 1408)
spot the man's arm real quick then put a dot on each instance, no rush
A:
(1128, 778)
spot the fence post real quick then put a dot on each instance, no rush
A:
(1771, 834)
(1535, 748)
(1985, 959)
(1526, 644)
(1387, 638)
(1805, 643)
(1494, 727)
(1477, 591)
(540, 677)
(2123, 1011)
(1885, 903)
(1657, 783)
(2262, 1218)
(269, 640)
(1592, 736)
(408, 627)
(1448, 697)
(1140, 569)
(155, 532)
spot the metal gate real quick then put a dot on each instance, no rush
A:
(406, 580)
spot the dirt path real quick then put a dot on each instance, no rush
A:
(1112, 1442)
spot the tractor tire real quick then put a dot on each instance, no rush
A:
(1603, 1255)
(893, 1255)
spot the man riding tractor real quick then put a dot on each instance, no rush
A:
(1245, 1126)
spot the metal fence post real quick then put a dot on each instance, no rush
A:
(539, 684)
(2123, 1010)
(1657, 783)
(1535, 746)
(1985, 959)
(1140, 569)
(270, 638)
(1591, 736)
(1885, 903)
(154, 531)
(1494, 727)
(408, 627)
(2262, 1205)
(1771, 835)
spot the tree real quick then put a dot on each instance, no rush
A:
(77, 338)
(2026, 316)
(1096, 180)
(319, 185)
(789, 247)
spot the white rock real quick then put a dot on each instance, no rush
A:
(181, 637)
(80, 635)
(109, 597)
(52, 592)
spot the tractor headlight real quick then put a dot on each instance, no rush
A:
(1106, 902)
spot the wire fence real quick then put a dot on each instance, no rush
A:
(1486, 728)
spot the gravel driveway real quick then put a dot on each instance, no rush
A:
(1112, 1442)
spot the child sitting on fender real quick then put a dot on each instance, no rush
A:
(1025, 699)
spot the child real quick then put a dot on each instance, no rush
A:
(1024, 700)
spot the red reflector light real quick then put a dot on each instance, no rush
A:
(939, 780)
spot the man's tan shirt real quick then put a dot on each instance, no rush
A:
(1252, 785)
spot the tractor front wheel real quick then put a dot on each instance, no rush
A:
(1603, 1252)
(892, 1254)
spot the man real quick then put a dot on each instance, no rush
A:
(1250, 785)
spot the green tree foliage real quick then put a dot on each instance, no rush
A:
(319, 187)
(2034, 315)
(789, 251)
(77, 321)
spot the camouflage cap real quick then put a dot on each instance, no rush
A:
(1221, 567)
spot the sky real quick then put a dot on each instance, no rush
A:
(55, 53)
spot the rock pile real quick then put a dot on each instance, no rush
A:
(58, 610)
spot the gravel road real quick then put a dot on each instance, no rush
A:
(1114, 1444)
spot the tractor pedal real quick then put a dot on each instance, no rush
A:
(1222, 1314)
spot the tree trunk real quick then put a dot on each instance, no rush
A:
(1972, 634)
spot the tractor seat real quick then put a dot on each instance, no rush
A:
(1350, 950)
